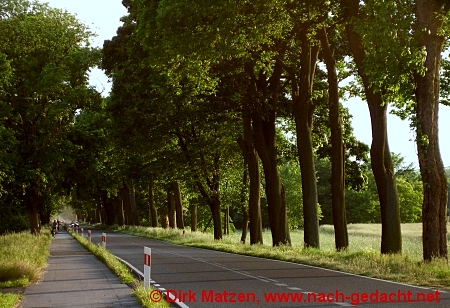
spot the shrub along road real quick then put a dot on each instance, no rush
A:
(206, 278)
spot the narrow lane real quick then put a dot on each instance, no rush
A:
(207, 278)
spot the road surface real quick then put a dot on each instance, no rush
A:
(207, 278)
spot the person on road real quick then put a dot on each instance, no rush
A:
(54, 228)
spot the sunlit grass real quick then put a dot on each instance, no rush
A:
(22, 258)
(143, 295)
(8, 300)
(362, 257)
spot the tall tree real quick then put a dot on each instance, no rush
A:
(303, 110)
(391, 241)
(430, 19)
(253, 215)
(402, 66)
(265, 91)
(337, 146)
(49, 84)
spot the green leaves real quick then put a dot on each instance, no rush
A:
(387, 30)
(44, 60)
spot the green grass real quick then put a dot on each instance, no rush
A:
(121, 271)
(144, 298)
(22, 258)
(361, 258)
(9, 300)
(106, 257)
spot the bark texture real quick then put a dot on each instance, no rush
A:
(303, 110)
(337, 148)
(251, 161)
(32, 194)
(434, 207)
(265, 90)
(178, 205)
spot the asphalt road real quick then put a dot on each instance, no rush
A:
(206, 278)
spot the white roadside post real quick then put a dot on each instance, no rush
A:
(82, 234)
(104, 240)
(89, 235)
(147, 266)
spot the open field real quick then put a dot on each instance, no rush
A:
(362, 257)
(361, 237)
(22, 258)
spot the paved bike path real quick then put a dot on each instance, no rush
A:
(75, 278)
(206, 278)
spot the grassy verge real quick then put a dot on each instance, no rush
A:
(121, 271)
(22, 258)
(9, 300)
(362, 257)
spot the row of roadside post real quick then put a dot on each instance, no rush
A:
(147, 256)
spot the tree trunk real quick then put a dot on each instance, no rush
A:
(120, 200)
(245, 221)
(133, 209)
(337, 148)
(210, 192)
(251, 161)
(380, 156)
(303, 110)
(309, 183)
(383, 171)
(226, 219)
(32, 197)
(265, 144)
(153, 213)
(193, 210)
(178, 205)
(164, 221)
(109, 210)
(254, 200)
(245, 216)
(45, 217)
(215, 212)
(171, 207)
(434, 207)
(126, 204)
(116, 206)
(99, 218)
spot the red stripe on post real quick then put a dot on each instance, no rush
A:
(147, 260)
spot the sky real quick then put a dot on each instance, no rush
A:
(103, 18)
